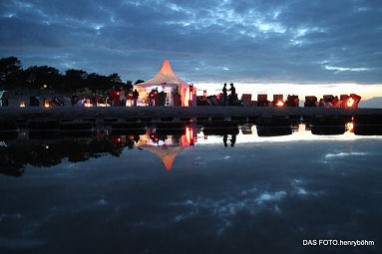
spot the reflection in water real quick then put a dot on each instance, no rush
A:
(48, 150)
(232, 140)
(274, 126)
(235, 200)
(167, 147)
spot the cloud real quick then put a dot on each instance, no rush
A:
(296, 41)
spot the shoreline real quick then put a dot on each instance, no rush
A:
(177, 113)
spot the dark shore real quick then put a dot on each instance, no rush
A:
(157, 113)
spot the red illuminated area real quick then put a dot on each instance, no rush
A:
(330, 101)
(352, 101)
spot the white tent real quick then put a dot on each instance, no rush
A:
(165, 77)
(168, 81)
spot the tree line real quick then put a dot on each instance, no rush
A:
(14, 77)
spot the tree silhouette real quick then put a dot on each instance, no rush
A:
(45, 77)
(39, 76)
(10, 69)
(75, 79)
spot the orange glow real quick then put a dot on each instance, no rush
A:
(46, 104)
(188, 138)
(350, 127)
(280, 104)
(350, 102)
(185, 95)
(22, 104)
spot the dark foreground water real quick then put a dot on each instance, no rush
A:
(215, 194)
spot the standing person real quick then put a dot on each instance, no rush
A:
(224, 90)
(152, 98)
(112, 95)
(135, 97)
(122, 97)
(233, 94)
(335, 101)
(321, 103)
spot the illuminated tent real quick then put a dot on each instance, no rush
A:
(168, 81)
(165, 77)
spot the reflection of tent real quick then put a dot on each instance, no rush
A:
(167, 80)
(167, 154)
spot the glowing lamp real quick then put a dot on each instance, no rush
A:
(46, 104)
(350, 102)
(280, 104)
(22, 104)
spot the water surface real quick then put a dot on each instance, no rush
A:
(191, 193)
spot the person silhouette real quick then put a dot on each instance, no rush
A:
(224, 90)
(225, 138)
(232, 95)
(233, 140)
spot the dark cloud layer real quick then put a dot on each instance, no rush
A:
(211, 40)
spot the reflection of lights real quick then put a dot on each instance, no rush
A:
(349, 127)
(22, 104)
(350, 102)
(280, 104)
(188, 138)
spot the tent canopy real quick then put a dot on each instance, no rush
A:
(165, 77)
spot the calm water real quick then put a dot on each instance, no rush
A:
(187, 192)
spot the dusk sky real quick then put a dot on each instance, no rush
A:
(206, 41)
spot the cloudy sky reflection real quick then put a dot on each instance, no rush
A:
(236, 199)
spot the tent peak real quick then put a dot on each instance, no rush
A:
(166, 69)
(165, 76)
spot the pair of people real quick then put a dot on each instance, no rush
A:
(232, 97)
